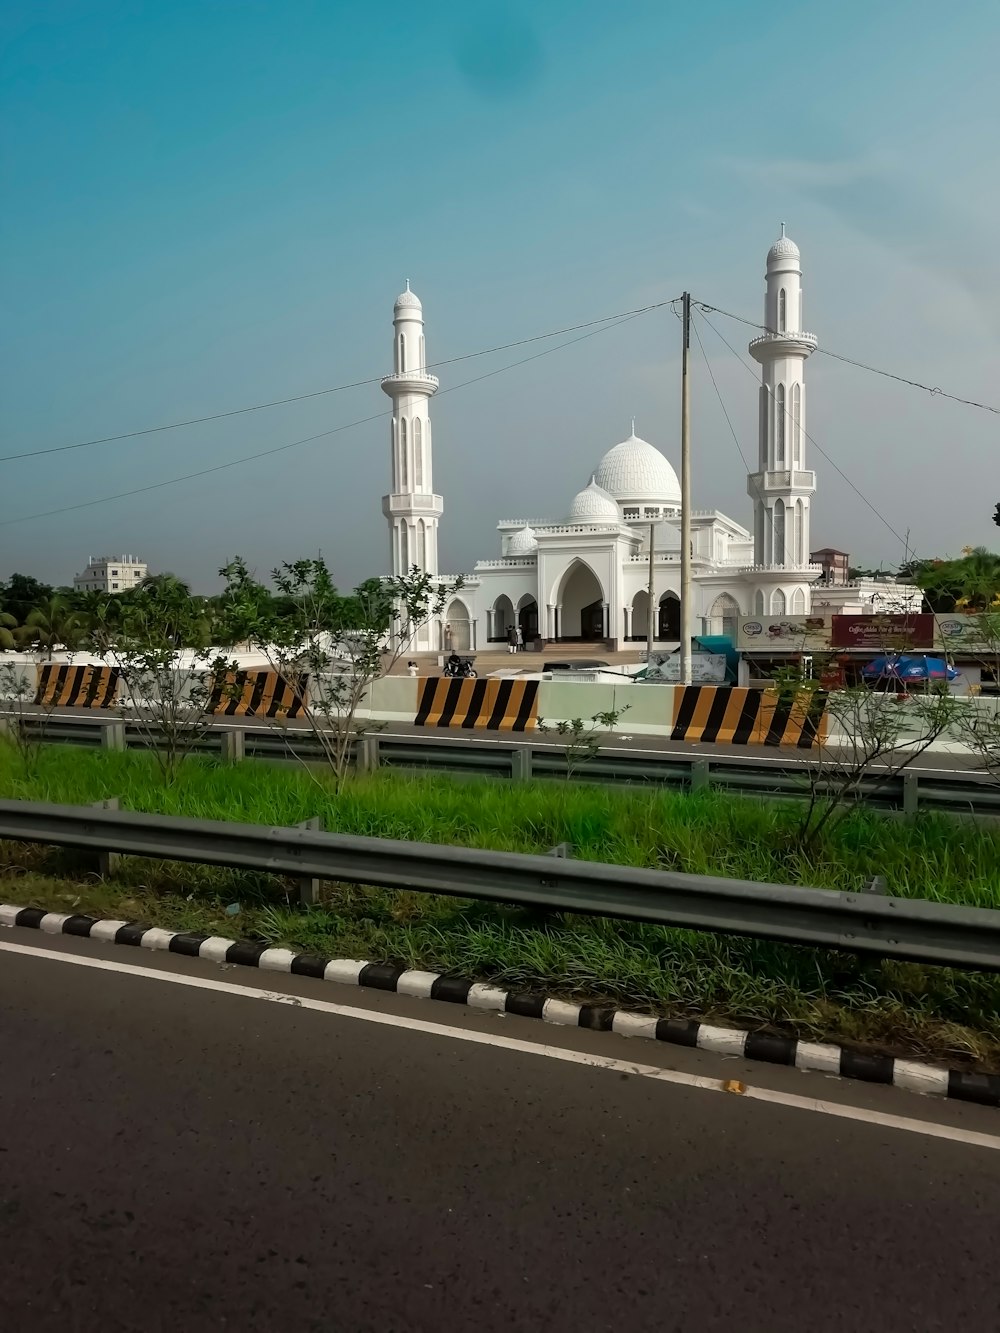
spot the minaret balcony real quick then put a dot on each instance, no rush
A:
(764, 483)
(770, 346)
(410, 381)
(412, 504)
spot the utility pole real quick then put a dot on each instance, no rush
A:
(649, 617)
(686, 619)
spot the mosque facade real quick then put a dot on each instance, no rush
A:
(585, 576)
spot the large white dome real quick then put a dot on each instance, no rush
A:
(594, 505)
(635, 471)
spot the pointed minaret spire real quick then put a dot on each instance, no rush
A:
(633, 427)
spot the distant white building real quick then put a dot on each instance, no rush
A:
(585, 576)
(111, 573)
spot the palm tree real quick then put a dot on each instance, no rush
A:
(51, 625)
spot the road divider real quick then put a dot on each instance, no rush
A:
(492, 705)
(62, 686)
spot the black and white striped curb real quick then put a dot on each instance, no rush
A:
(806, 1055)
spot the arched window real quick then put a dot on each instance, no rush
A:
(421, 554)
(394, 455)
(800, 533)
(777, 602)
(779, 426)
(758, 603)
(403, 469)
(418, 455)
(797, 425)
(402, 352)
(798, 602)
(778, 552)
(781, 311)
(423, 354)
(404, 548)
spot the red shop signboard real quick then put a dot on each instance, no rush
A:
(884, 634)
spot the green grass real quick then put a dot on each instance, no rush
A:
(816, 993)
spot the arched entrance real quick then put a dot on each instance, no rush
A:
(502, 618)
(527, 618)
(581, 604)
(640, 615)
(457, 628)
(669, 627)
(724, 617)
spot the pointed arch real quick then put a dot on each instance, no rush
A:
(724, 615)
(778, 520)
(404, 484)
(781, 311)
(800, 533)
(778, 604)
(421, 553)
(580, 595)
(404, 548)
(797, 425)
(779, 426)
(418, 455)
(423, 354)
(394, 455)
(458, 626)
(758, 603)
(799, 602)
(401, 353)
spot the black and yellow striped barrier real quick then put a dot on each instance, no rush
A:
(492, 705)
(257, 694)
(708, 714)
(61, 686)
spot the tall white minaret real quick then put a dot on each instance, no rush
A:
(413, 510)
(782, 488)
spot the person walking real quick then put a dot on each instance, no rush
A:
(512, 640)
(520, 640)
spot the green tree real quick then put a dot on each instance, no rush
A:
(340, 645)
(50, 625)
(20, 594)
(8, 624)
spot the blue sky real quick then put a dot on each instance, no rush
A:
(213, 204)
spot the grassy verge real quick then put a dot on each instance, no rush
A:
(814, 993)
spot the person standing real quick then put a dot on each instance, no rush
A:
(512, 640)
(412, 669)
(520, 640)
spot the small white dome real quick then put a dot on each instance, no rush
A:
(523, 542)
(594, 504)
(783, 248)
(408, 300)
(635, 471)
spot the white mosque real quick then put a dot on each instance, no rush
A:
(585, 576)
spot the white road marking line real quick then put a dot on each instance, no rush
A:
(884, 1120)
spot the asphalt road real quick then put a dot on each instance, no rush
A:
(175, 1158)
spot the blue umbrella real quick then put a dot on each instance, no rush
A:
(909, 668)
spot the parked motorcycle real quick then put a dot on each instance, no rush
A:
(459, 668)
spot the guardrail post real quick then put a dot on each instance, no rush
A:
(112, 735)
(108, 862)
(520, 763)
(911, 793)
(309, 888)
(368, 757)
(699, 774)
(234, 745)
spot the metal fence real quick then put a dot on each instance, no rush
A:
(910, 791)
(868, 923)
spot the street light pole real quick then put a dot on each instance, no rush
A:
(686, 618)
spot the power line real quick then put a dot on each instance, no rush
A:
(861, 365)
(334, 430)
(337, 388)
(860, 494)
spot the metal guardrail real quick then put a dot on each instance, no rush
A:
(868, 923)
(910, 791)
